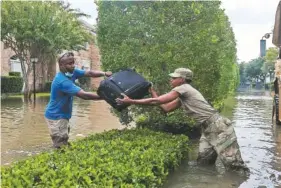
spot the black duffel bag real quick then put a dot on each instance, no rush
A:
(125, 81)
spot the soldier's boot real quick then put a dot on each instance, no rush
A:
(232, 160)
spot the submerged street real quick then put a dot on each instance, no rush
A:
(24, 133)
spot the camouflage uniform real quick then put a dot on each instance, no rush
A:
(218, 136)
(219, 139)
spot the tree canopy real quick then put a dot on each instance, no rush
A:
(259, 68)
(254, 69)
(270, 59)
(39, 29)
(155, 37)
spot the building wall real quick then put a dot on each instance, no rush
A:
(90, 60)
(96, 64)
(6, 54)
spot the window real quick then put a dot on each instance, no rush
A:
(15, 66)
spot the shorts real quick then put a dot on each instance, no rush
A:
(59, 131)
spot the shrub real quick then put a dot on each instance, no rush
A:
(48, 86)
(11, 84)
(118, 158)
(14, 74)
(155, 37)
(175, 122)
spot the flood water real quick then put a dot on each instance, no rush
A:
(260, 143)
(24, 132)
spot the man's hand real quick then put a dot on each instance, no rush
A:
(152, 92)
(125, 100)
(108, 73)
(95, 74)
(88, 95)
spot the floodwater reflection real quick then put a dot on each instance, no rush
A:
(260, 143)
(24, 131)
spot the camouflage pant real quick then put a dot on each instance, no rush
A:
(219, 140)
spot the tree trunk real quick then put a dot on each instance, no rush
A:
(44, 69)
(27, 90)
(51, 68)
(25, 77)
(48, 68)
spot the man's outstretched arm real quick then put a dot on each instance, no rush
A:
(92, 73)
(166, 98)
(88, 95)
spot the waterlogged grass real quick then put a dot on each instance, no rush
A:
(19, 95)
(118, 158)
(229, 104)
(37, 95)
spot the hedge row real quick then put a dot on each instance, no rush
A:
(11, 84)
(14, 74)
(118, 158)
(48, 85)
(170, 124)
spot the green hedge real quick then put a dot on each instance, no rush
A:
(172, 123)
(118, 158)
(48, 86)
(156, 37)
(11, 84)
(14, 74)
(176, 122)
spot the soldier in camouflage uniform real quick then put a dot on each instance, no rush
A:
(218, 136)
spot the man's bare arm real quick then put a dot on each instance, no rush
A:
(150, 101)
(88, 95)
(168, 107)
(171, 106)
(92, 73)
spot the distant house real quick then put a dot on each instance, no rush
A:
(8, 61)
(88, 59)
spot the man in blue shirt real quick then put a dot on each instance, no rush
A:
(59, 108)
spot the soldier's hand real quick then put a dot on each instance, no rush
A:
(108, 73)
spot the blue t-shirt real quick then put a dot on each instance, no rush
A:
(62, 91)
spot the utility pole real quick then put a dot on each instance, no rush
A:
(34, 61)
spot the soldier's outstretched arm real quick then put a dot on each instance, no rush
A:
(171, 106)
